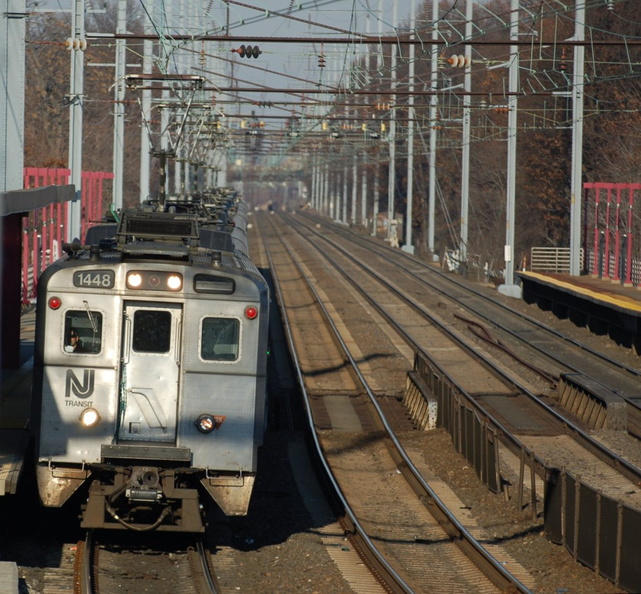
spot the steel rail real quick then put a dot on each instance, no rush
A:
(630, 471)
(381, 562)
(383, 251)
(83, 581)
(486, 563)
(205, 581)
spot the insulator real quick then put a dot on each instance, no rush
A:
(459, 61)
(256, 51)
(75, 44)
(248, 51)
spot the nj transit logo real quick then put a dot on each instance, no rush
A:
(80, 389)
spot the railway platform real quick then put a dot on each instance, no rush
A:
(15, 401)
(605, 307)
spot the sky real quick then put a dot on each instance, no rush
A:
(293, 65)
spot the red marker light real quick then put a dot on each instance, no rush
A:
(55, 302)
(251, 312)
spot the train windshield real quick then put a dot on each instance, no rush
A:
(220, 339)
(83, 332)
(152, 331)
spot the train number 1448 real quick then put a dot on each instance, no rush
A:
(94, 278)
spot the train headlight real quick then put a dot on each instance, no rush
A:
(89, 417)
(205, 423)
(251, 312)
(134, 280)
(174, 282)
(154, 280)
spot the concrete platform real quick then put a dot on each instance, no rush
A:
(15, 404)
(605, 307)
(9, 578)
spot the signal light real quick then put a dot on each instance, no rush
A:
(248, 51)
(251, 312)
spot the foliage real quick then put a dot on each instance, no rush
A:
(47, 96)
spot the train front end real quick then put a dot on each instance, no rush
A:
(149, 386)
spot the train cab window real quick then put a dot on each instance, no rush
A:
(83, 332)
(151, 331)
(220, 339)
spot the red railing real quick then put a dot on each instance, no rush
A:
(45, 230)
(612, 212)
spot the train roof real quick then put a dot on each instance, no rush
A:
(198, 228)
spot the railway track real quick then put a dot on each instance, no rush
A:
(130, 566)
(547, 350)
(518, 415)
(478, 305)
(524, 414)
(366, 460)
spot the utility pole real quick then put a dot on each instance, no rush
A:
(354, 187)
(509, 288)
(75, 101)
(145, 142)
(119, 108)
(408, 247)
(465, 157)
(391, 186)
(431, 206)
(577, 139)
(12, 75)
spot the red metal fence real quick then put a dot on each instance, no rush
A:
(45, 230)
(612, 228)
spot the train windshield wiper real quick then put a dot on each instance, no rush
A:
(92, 320)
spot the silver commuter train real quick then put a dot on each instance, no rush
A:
(150, 368)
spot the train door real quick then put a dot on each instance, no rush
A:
(150, 372)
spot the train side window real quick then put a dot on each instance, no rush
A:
(152, 331)
(83, 332)
(220, 339)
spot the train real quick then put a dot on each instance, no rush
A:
(149, 391)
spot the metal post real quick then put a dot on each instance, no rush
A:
(76, 100)
(314, 183)
(354, 187)
(344, 215)
(433, 132)
(391, 186)
(465, 156)
(12, 74)
(577, 138)
(119, 107)
(509, 288)
(324, 189)
(364, 191)
(408, 247)
(145, 143)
